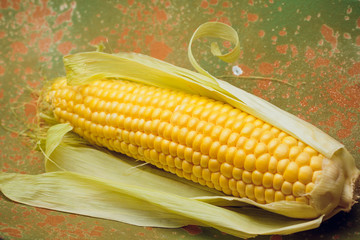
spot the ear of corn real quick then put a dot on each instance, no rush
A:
(208, 142)
(194, 137)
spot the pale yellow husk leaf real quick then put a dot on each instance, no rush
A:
(92, 182)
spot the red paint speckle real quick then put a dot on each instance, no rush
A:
(65, 47)
(261, 33)
(329, 35)
(13, 232)
(358, 40)
(149, 39)
(355, 69)
(2, 70)
(343, 133)
(225, 20)
(38, 16)
(52, 221)
(1, 93)
(98, 40)
(347, 36)
(310, 53)
(282, 48)
(122, 8)
(204, 4)
(2, 34)
(247, 71)
(282, 33)
(226, 4)
(97, 231)
(274, 39)
(28, 70)
(294, 50)
(358, 23)
(161, 15)
(15, 4)
(252, 17)
(321, 62)
(44, 44)
(58, 36)
(192, 229)
(349, 97)
(349, 10)
(159, 50)
(19, 47)
(266, 68)
(64, 17)
(30, 111)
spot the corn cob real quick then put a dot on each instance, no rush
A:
(194, 137)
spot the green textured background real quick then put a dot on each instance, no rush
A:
(314, 46)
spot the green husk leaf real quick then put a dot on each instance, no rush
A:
(99, 163)
(55, 135)
(84, 159)
(142, 196)
(217, 30)
(141, 206)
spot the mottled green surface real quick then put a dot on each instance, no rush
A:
(313, 45)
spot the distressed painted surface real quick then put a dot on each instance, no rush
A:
(313, 46)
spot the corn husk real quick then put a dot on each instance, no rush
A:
(141, 195)
(84, 180)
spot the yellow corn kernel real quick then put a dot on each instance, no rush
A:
(214, 165)
(286, 188)
(249, 191)
(250, 161)
(278, 181)
(240, 187)
(262, 162)
(305, 174)
(239, 158)
(273, 162)
(226, 169)
(259, 193)
(316, 163)
(267, 180)
(291, 173)
(281, 151)
(279, 196)
(290, 198)
(282, 165)
(309, 187)
(237, 173)
(303, 159)
(260, 149)
(298, 189)
(246, 176)
(269, 195)
(257, 177)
